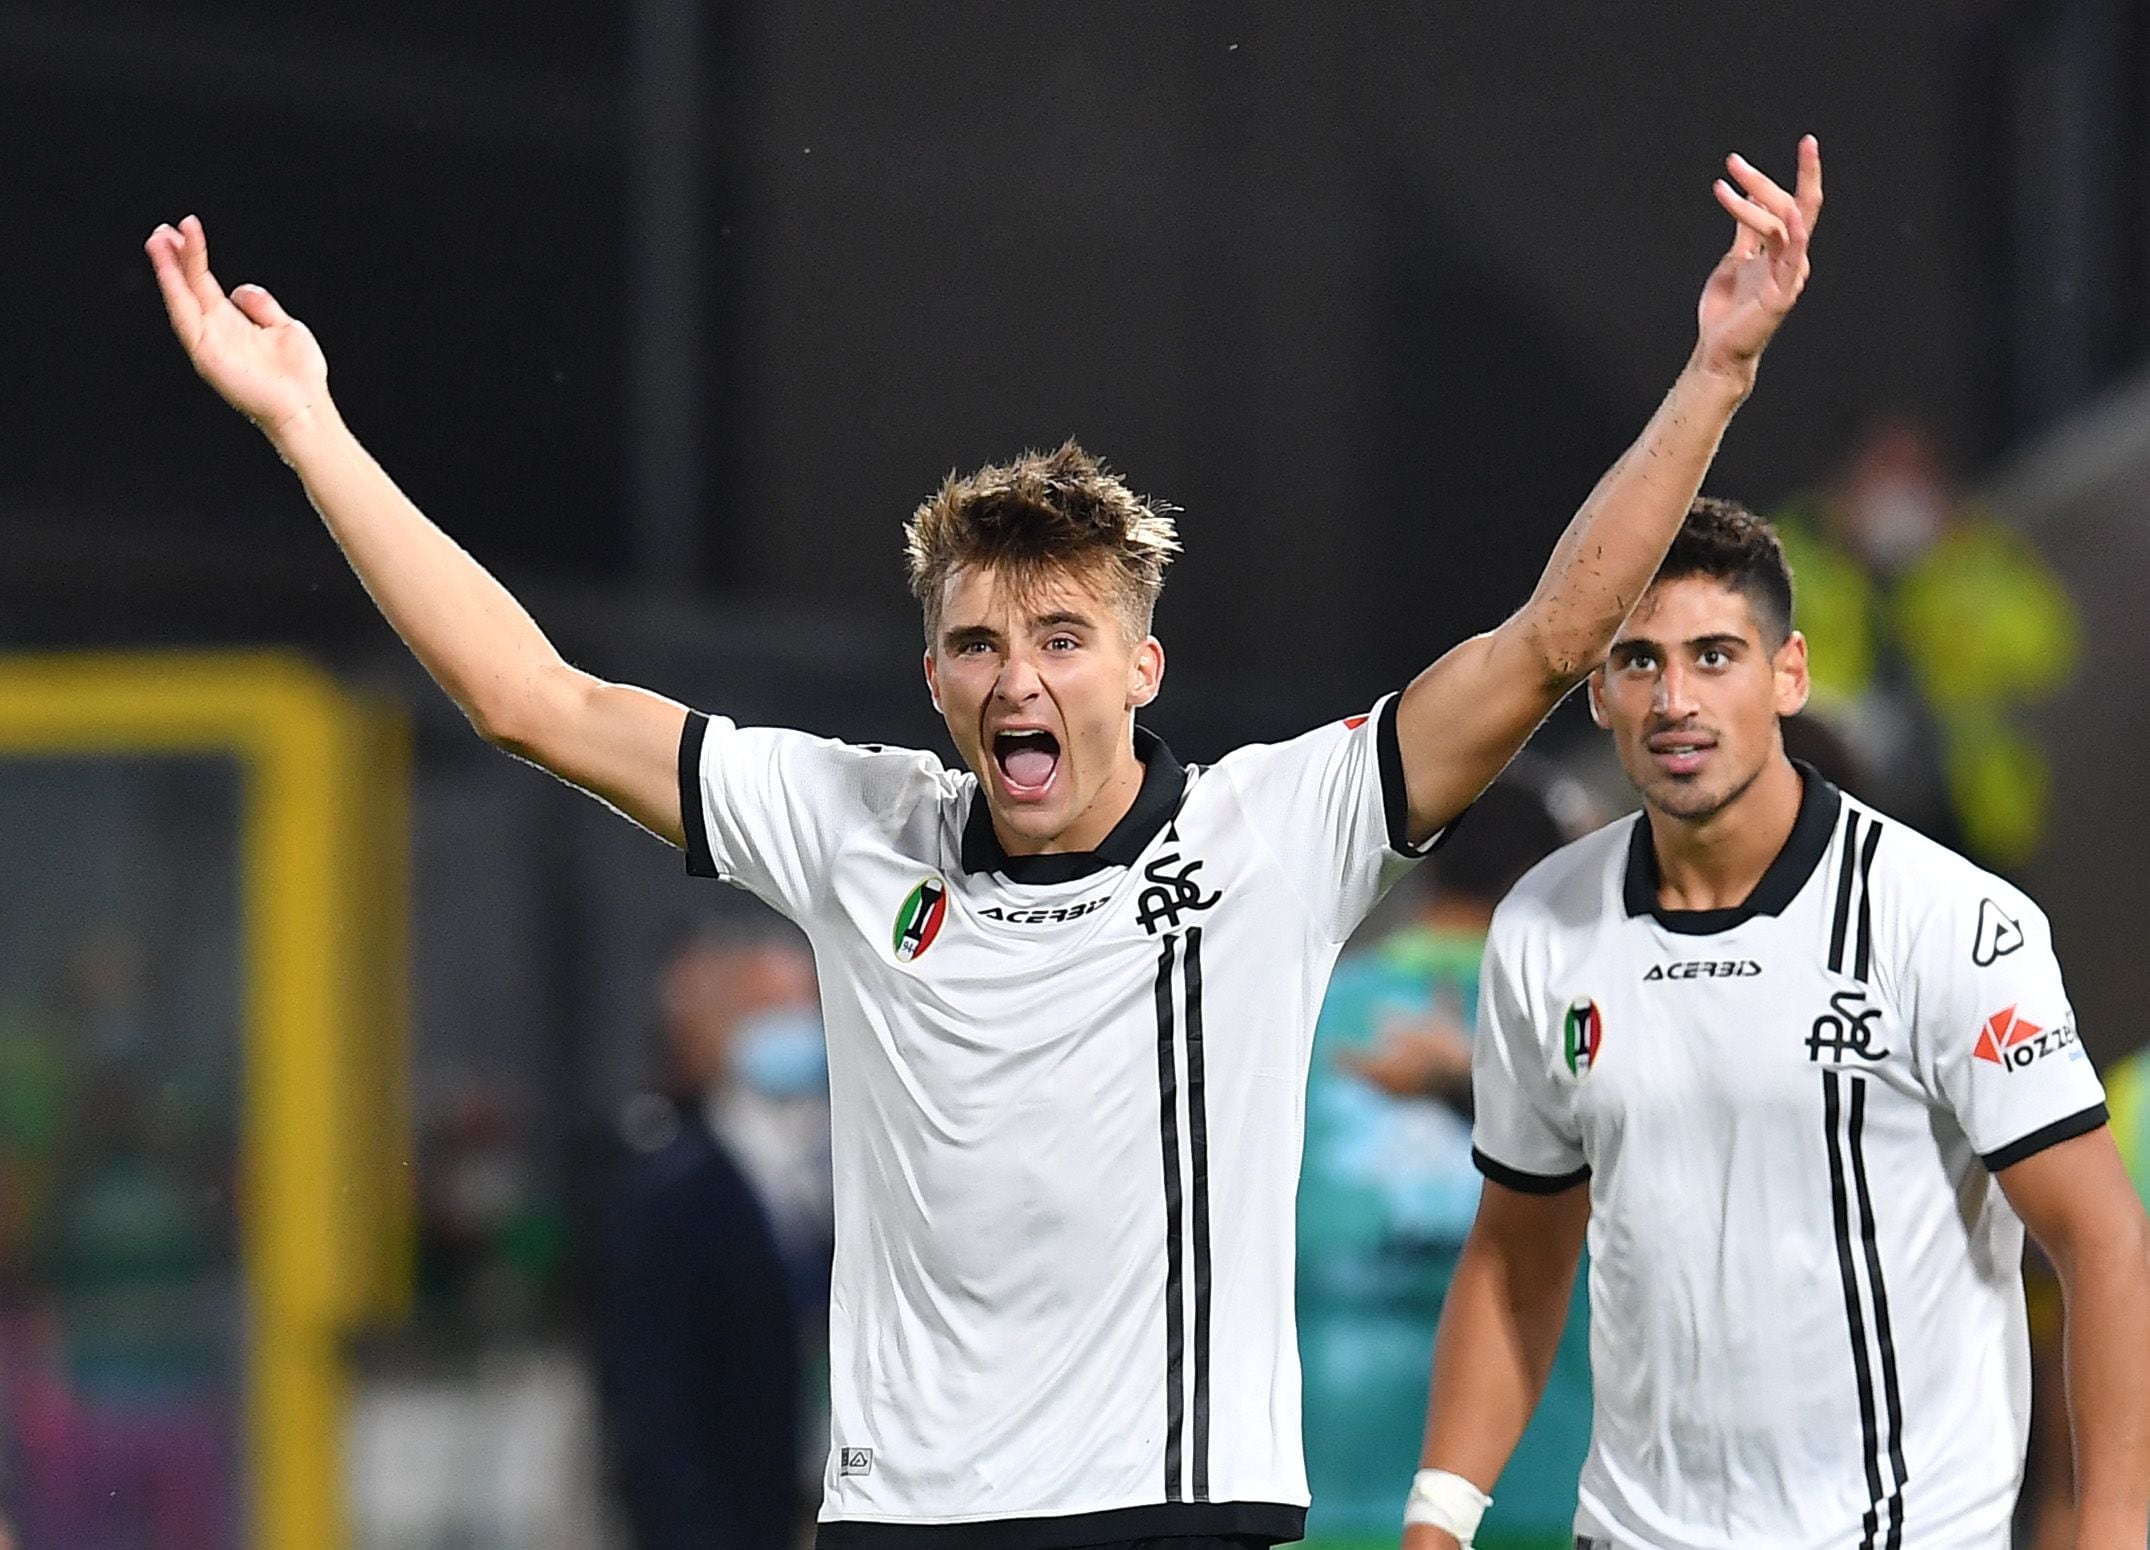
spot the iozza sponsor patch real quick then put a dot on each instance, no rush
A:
(2013, 1042)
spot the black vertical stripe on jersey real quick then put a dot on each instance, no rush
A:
(1854, 1314)
(1863, 960)
(1198, 1153)
(1891, 1393)
(1843, 894)
(1168, 1119)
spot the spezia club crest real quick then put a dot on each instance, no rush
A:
(1585, 1032)
(919, 921)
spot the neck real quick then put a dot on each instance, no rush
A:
(1715, 862)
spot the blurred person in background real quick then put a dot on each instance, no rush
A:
(1935, 625)
(126, 1415)
(1803, 1077)
(1388, 1188)
(714, 1256)
(1032, 1123)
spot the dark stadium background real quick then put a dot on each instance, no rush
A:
(672, 327)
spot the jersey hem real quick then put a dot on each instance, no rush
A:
(1275, 1522)
(1528, 1183)
(693, 820)
(2080, 1123)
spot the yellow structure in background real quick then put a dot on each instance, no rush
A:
(326, 1219)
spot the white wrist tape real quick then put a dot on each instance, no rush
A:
(1446, 1502)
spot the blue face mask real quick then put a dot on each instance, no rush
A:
(782, 1054)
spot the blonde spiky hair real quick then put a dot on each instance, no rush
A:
(1041, 514)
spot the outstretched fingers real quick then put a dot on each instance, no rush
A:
(163, 247)
(194, 263)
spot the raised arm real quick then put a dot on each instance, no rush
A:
(1463, 718)
(2077, 1202)
(618, 743)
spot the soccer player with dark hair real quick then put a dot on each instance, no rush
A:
(1070, 987)
(1802, 1077)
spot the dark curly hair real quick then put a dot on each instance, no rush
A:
(1723, 540)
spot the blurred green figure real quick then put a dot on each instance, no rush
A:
(1932, 624)
(1388, 1192)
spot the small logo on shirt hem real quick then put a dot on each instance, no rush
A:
(854, 1461)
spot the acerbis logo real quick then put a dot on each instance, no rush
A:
(2013, 1042)
(1052, 917)
(1583, 1035)
(1705, 969)
(919, 921)
(1997, 936)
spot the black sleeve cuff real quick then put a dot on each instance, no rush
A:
(700, 862)
(1528, 1183)
(2081, 1123)
(1395, 796)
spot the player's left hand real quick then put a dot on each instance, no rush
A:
(1761, 275)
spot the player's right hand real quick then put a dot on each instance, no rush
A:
(263, 361)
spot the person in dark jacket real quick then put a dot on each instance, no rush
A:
(699, 1336)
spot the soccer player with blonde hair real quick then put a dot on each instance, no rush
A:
(1069, 986)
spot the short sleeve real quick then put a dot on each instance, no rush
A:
(1523, 1133)
(1993, 1027)
(1330, 807)
(767, 808)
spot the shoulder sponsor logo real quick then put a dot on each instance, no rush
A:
(1997, 937)
(1704, 969)
(854, 1461)
(1171, 893)
(1045, 917)
(2013, 1042)
(1847, 1028)
(1583, 1036)
(919, 921)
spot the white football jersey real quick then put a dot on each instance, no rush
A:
(1807, 1324)
(1068, 1096)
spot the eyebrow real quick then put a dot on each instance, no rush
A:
(958, 636)
(1719, 640)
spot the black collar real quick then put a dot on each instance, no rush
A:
(1163, 782)
(1795, 863)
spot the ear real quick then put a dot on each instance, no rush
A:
(1594, 686)
(1145, 672)
(933, 681)
(1790, 666)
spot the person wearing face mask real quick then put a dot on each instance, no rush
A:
(1934, 624)
(715, 1251)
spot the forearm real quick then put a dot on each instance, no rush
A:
(1613, 546)
(2107, 1345)
(1500, 1328)
(479, 644)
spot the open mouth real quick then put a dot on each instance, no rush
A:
(1027, 760)
(1681, 753)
